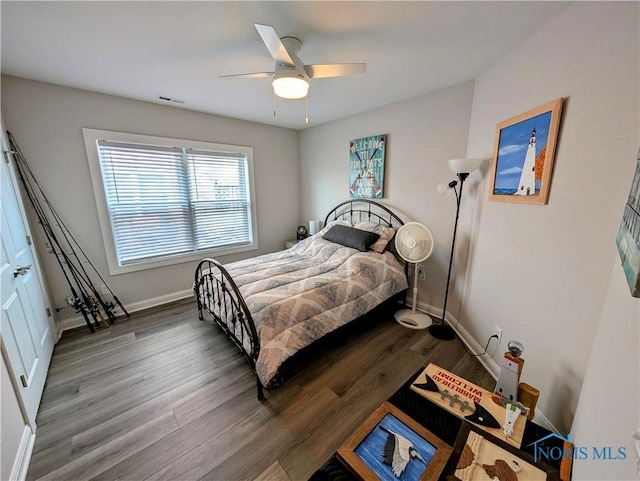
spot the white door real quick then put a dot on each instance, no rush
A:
(26, 330)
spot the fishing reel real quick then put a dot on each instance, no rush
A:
(71, 301)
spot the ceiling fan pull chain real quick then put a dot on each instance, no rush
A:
(306, 110)
(274, 104)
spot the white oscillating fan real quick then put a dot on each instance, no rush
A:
(414, 243)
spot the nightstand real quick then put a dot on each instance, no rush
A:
(290, 243)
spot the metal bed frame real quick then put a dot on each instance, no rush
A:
(219, 298)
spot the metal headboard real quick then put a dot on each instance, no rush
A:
(364, 210)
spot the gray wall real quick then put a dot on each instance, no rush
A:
(424, 132)
(47, 121)
(542, 272)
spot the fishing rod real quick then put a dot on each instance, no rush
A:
(88, 300)
(75, 301)
(107, 307)
(86, 304)
(79, 277)
(80, 301)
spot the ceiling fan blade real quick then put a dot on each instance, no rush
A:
(274, 44)
(335, 70)
(250, 75)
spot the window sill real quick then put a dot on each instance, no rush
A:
(116, 269)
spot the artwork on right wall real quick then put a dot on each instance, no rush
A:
(628, 238)
(523, 155)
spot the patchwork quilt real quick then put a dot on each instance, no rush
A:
(298, 295)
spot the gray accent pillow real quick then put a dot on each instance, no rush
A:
(351, 237)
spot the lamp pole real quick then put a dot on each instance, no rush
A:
(442, 331)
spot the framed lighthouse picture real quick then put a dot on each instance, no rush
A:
(523, 155)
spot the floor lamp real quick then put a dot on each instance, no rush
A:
(462, 168)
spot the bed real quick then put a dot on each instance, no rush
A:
(275, 305)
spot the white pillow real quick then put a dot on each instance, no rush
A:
(330, 224)
(386, 234)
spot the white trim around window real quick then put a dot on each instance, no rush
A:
(164, 201)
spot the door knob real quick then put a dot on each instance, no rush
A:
(20, 271)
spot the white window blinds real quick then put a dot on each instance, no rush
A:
(171, 201)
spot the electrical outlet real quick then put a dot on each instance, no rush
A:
(422, 274)
(497, 331)
(104, 289)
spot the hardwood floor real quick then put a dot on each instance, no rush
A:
(165, 396)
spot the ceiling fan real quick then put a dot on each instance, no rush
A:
(290, 75)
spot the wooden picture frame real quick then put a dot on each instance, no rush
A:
(524, 153)
(366, 167)
(492, 453)
(363, 451)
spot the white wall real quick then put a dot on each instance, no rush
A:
(424, 132)
(539, 272)
(542, 272)
(47, 121)
(602, 417)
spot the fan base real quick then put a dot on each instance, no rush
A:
(442, 332)
(412, 320)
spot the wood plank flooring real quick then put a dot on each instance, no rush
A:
(164, 396)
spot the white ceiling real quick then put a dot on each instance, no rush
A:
(179, 49)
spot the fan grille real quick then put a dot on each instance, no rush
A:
(414, 242)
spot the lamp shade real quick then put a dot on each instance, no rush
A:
(464, 166)
(290, 87)
(314, 226)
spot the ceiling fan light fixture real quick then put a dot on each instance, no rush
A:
(290, 87)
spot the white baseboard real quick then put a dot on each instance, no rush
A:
(487, 361)
(78, 321)
(23, 456)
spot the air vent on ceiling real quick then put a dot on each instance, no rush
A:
(170, 100)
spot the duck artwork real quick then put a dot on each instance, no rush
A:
(398, 451)
(503, 470)
(482, 460)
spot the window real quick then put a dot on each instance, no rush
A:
(163, 201)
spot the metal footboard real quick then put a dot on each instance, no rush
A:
(220, 300)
